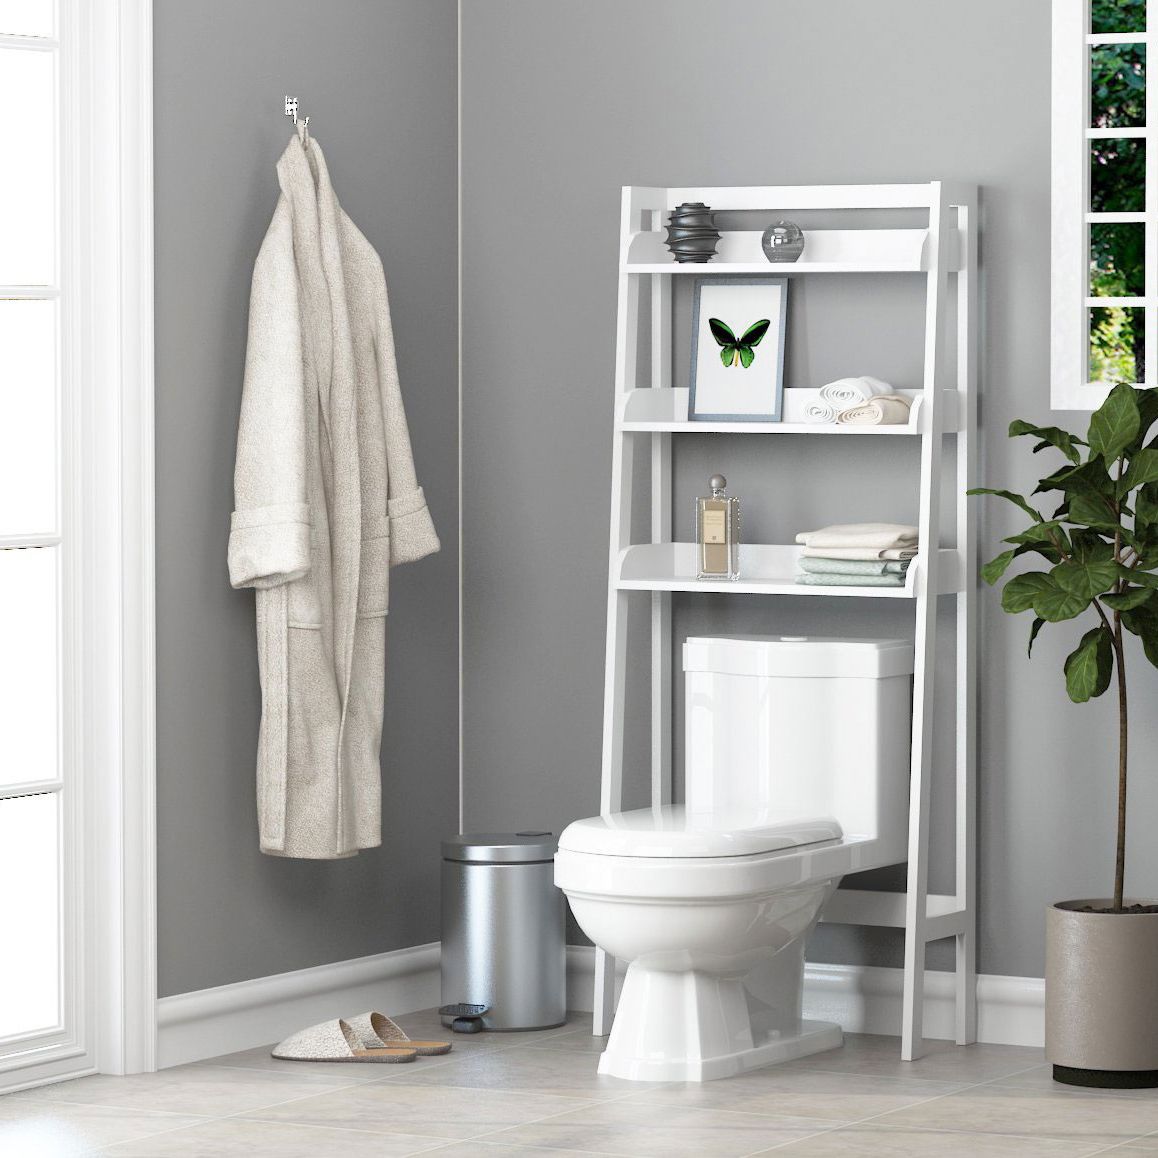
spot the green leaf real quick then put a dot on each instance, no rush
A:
(1129, 599)
(1055, 604)
(1147, 412)
(1091, 476)
(1143, 469)
(1011, 496)
(1038, 624)
(995, 568)
(1140, 576)
(1146, 506)
(1050, 436)
(1090, 665)
(1143, 622)
(1085, 580)
(1089, 547)
(1092, 510)
(1051, 531)
(1021, 591)
(1115, 423)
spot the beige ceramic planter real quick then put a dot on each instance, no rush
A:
(1101, 995)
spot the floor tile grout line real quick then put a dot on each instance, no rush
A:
(154, 1134)
(873, 1117)
(33, 1102)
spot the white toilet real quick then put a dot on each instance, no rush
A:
(796, 772)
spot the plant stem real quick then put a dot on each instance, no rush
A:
(1120, 858)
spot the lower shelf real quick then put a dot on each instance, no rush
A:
(765, 569)
(944, 916)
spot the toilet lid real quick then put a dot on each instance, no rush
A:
(672, 831)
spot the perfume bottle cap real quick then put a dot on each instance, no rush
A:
(717, 482)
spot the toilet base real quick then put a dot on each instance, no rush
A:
(696, 1026)
(814, 1037)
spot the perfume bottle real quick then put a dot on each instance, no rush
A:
(718, 533)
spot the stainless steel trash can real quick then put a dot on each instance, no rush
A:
(503, 929)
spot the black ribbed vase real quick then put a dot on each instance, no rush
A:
(691, 233)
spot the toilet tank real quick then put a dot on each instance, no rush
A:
(800, 725)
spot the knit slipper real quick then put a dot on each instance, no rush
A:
(335, 1041)
(376, 1029)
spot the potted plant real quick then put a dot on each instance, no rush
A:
(1096, 559)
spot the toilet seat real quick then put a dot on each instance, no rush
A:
(621, 855)
(671, 831)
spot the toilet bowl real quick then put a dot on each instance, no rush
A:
(796, 774)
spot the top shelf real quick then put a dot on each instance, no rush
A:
(825, 251)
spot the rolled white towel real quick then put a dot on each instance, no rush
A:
(878, 536)
(881, 410)
(846, 392)
(819, 411)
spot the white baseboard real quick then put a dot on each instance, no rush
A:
(867, 999)
(209, 1022)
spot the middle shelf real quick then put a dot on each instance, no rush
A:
(765, 569)
(662, 410)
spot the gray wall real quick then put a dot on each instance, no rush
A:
(564, 103)
(378, 78)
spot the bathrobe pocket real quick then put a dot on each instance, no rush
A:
(374, 579)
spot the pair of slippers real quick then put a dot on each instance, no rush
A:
(369, 1037)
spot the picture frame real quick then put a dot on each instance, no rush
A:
(733, 380)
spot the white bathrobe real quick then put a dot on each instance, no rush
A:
(326, 502)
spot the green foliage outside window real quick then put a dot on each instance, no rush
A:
(1117, 184)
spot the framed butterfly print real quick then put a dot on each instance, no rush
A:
(737, 371)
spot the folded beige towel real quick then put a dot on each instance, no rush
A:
(881, 536)
(858, 553)
(882, 410)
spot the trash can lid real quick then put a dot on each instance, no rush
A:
(501, 847)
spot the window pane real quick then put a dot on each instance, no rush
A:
(1118, 16)
(1117, 86)
(1118, 175)
(1117, 260)
(27, 17)
(30, 914)
(28, 671)
(27, 417)
(1117, 344)
(28, 205)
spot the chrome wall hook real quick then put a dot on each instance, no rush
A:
(291, 110)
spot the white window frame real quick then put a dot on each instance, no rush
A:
(107, 500)
(1071, 135)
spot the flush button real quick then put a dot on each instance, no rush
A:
(794, 639)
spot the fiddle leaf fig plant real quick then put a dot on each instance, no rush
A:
(1096, 555)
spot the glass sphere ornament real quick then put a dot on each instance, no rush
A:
(783, 241)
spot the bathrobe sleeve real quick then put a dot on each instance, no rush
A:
(269, 540)
(412, 534)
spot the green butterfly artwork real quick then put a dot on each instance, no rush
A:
(738, 351)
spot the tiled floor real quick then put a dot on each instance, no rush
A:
(522, 1095)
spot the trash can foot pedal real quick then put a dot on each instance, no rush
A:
(467, 1018)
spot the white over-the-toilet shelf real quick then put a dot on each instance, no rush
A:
(664, 411)
(942, 250)
(765, 569)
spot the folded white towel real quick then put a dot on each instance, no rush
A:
(819, 411)
(846, 392)
(880, 536)
(881, 410)
(858, 552)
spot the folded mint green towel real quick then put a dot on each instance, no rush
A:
(831, 580)
(854, 566)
